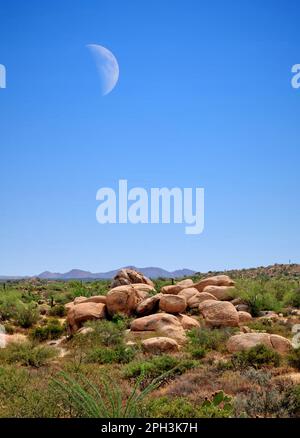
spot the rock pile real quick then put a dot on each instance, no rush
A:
(160, 321)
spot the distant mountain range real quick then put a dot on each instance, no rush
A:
(78, 274)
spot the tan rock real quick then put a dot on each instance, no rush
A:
(161, 323)
(83, 312)
(188, 322)
(159, 345)
(244, 317)
(149, 305)
(222, 293)
(217, 280)
(172, 303)
(280, 344)
(245, 341)
(93, 299)
(188, 293)
(198, 298)
(186, 283)
(172, 289)
(123, 300)
(15, 338)
(219, 313)
(129, 276)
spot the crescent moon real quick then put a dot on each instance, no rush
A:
(107, 66)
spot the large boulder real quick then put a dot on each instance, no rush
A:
(219, 313)
(187, 322)
(172, 289)
(198, 298)
(187, 282)
(129, 276)
(244, 317)
(148, 306)
(83, 312)
(188, 293)
(222, 293)
(217, 280)
(172, 303)
(160, 344)
(123, 300)
(244, 341)
(162, 324)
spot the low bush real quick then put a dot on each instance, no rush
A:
(26, 315)
(27, 354)
(156, 366)
(52, 330)
(294, 358)
(58, 310)
(257, 357)
(208, 339)
(219, 406)
(269, 326)
(105, 355)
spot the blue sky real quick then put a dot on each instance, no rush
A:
(204, 99)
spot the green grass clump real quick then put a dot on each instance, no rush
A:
(52, 330)
(86, 400)
(58, 311)
(105, 355)
(203, 339)
(156, 366)
(27, 354)
(256, 357)
(219, 406)
(26, 315)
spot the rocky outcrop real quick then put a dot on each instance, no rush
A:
(217, 280)
(129, 276)
(172, 303)
(219, 313)
(244, 341)
(160, 344)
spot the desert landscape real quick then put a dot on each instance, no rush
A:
(210, 345)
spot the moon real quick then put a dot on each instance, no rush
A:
(107, 66)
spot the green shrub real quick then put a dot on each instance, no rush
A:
(104, 355)
(27, 354)
(58, 310)
(219, 406)
(166, 407)
(256, 357)
(209, 339)
(8, 304)
(26, 315)
(198, 352)
(52, 330)
(294, 358)
(156, 366)
(269, 326)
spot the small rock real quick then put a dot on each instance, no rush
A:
(159, 345)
